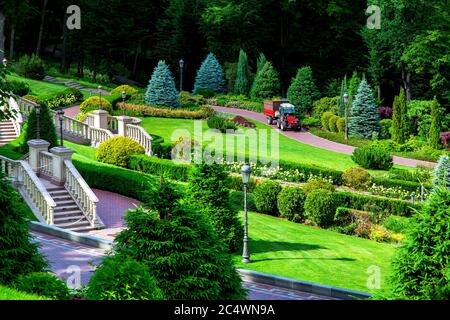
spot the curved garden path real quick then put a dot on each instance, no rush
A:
(310, 139)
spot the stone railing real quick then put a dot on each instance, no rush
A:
(80, 191)
(89, 120)
(22, 175)
(25, 106)
(45, 164)
(73, 127)
(141, 136)
(97, 136)
(113, 124)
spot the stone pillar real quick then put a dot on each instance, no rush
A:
(100, 119)
(59, 155)
(122, 122)
(36, 146)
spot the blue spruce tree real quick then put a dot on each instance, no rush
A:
(161, 89)
(210, 76)
(364, 120)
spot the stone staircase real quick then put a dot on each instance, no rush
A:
(7, 132)
(67, 214)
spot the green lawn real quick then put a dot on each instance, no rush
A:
(290, 150)
(306, 253)
(11, 294)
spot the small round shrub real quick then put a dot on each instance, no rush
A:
(122, 279)
(265, 196)
(326, 119)
(373, 157)
(340, 124)
(19, 88)
(325, 105)
(386, 125)
(290, 203)
(356, 178)
(320, 207)
(379, 233)
(317, 183)
(93, 103)
(74, 92)
(129, 90)
(117, 151)
(221, 123)
(43, 284)
(332, 123)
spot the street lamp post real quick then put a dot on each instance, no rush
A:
(124, 96)
(100, 93)
(246, 171)
(38, 116)
(61, 118)
(181, 74)
(346, 116)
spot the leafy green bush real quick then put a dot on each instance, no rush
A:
(129, 90)
(332, 123)
(43, 284)
(19, 88)
(266, 195)
(397, 224)
(122, 279)
(116, 101)
(373, 157)
(320, 207)
(290, 203)
(93, 103)
(207, 93)
(117, 151)
(394, 183)
(221, 123)
(386, 125)
(340, 124)
(421, 266)
(317, 183)
(325, 105)
(235, 183)
(312, 122)
(356, 178)
(65, 98)
(326, 119)
(188, 101)
(159, 167)
(31, 67)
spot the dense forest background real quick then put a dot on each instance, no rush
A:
(128, 37)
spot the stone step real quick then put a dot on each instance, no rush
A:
(58, 220)
(73, 225)
(81, 229)
(61, 197)
(67, 213)
(66, 208)
(64, 203)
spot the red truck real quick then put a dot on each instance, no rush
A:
(281, 113)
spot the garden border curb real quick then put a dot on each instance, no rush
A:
(304, 286)
(71, 236)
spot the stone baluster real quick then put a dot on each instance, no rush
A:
(36, 146)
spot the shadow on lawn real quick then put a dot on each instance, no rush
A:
(303, 258)
(262, 246)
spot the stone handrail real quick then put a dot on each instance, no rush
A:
(21, 173)
(141, 136)
(72, 126)
(25, 106)
(89, 120)
(46, 164)
(97, 136)
(113, 124)
(81, 192)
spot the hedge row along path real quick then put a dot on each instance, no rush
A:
(310, 139)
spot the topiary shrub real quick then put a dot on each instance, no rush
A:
(325, 119)
(266, 195)
(129, 90)
(356, 178)
(120, 278)
(320, 207)
(290, 203)
(161, 89)
(317, 183)
(118, 150)
(31, 67)
(94, 103)
(332, 123)
(43, 284)
(373, 157)
(340, 124)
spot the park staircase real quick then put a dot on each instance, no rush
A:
(7, 132)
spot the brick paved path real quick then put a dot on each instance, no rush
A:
(63, 254)
(310, 139)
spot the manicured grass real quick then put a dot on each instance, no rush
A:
(11, 294)
(339, 137)
(306, 253)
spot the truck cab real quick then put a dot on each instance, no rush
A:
(281, 113)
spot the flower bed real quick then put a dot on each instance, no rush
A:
(149, 111)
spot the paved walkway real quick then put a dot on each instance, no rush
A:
(310, 139)
(66, 258)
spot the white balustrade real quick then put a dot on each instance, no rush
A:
(113, 124)
(46, 164)
(81, 192)
(25, 106)
(141, 136)
(98, 136)
(21, 173)
(89, 120)
(73, 127)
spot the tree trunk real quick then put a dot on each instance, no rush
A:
(136, 57)
(64, 46)
(11, 42)
(41, 28)
(406, 78)
(2, 36)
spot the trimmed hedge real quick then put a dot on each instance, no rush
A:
(307, 169)
(358, 202)
(392, 183)
(159, 167)
(141, 110)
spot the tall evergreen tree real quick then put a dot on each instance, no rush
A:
(161, 89)
(242, 84)
(266, 84)
(364, 120)
(442, 173)
(210, 75)
(400, 122)
(260, 62)
(434, 137)
(47, 129)
(353, 86)
(341, 103)
(303, 91)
